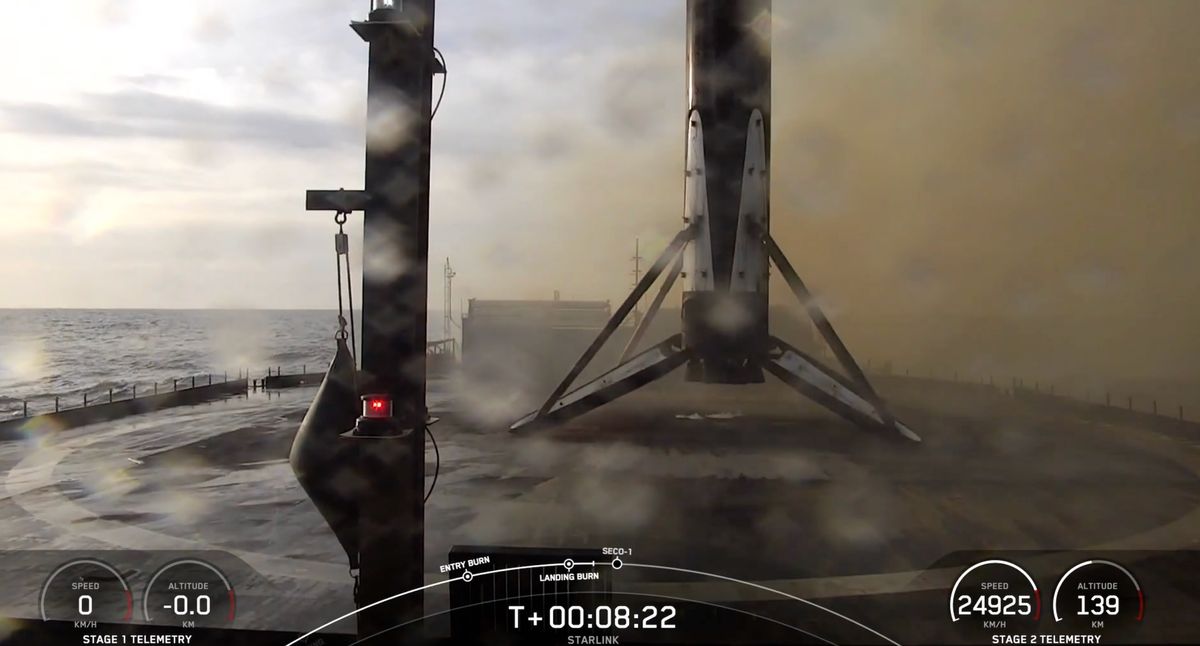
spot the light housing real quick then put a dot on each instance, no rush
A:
(377, 406)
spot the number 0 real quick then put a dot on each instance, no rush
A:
(85, 604)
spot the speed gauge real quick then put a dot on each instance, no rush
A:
(86, 590)
(995, 596)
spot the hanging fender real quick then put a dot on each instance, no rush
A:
(324, 463)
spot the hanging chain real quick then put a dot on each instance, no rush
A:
(350, 299)
(341, 245)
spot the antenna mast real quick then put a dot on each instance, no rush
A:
(448, 306)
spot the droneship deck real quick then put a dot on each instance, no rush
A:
(751, 482)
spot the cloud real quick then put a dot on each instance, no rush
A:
(994, 184)
(189, 265)
(140, 113)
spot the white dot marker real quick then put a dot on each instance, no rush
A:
(466, 575)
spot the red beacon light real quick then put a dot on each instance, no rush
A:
(376, 419)
(377, 406)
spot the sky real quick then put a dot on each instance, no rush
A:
(156, 154)
(1008, 185)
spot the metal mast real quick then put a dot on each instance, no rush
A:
(388, 446)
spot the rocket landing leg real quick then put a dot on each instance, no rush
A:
(716, 352)
(829, 389)
(626, 377)
(851, 397)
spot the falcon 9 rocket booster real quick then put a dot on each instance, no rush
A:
(723, 251)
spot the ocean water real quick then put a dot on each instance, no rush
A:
(44, 353)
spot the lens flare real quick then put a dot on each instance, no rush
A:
(22, 360)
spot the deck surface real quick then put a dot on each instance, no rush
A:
(751, 482)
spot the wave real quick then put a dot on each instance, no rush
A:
(94, 350)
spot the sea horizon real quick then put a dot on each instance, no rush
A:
(186, 309)
(73, 352)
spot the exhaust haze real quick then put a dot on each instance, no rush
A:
(991, 188)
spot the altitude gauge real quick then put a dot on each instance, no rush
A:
(189, 593)
(1098, 596)
(86, 590)
(995, 596)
